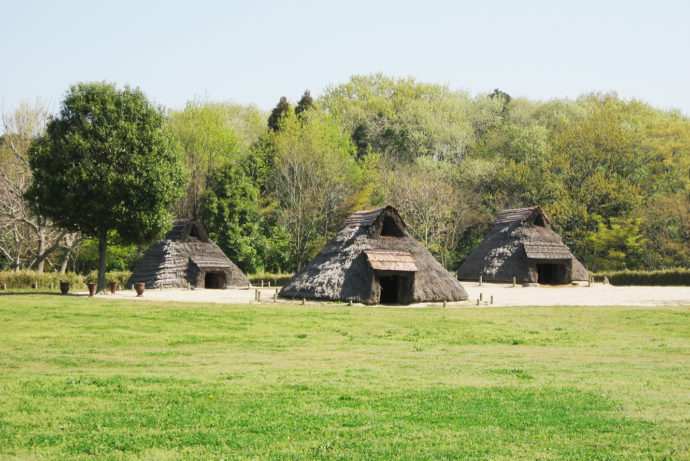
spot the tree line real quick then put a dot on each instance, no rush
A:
(273, 188)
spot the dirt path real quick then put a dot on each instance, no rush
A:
(503, 295)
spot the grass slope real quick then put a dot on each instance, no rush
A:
(88, 378)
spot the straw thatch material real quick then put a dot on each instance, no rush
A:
(373, 259)
(522, 245)
(187, 257)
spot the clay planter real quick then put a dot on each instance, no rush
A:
(139, 287)
(113, 287)
(92, 289)
(64, 287)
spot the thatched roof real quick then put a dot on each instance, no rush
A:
(184, 258)
(520, 244)
(372, 248)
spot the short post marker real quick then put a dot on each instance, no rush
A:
(513, 281)
(492, 299)
(480, 280)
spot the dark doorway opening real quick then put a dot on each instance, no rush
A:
(551, 274)
(214, 280)
(395, 289)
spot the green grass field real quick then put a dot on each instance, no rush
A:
(89, 378)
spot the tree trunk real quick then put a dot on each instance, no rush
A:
(41, 253)
(102, 246)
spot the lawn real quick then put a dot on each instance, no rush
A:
(92, 378)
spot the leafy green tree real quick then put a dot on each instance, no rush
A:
(615, 245)
(212, 135)
(106, 165)
(403, 118)
(313, 181)
(231, 212)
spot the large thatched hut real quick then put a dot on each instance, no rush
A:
(372, 259)
(187, 257)
(522, 244)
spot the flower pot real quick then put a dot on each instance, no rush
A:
(113, 287)
(92, 288)
(64, 287)
(139, 287)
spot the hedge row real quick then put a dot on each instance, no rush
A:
(43, 280)
(26, 279)
(275, 279)
(668, 277)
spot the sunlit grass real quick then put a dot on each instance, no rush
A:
(90, 378)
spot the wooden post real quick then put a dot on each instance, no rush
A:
(492, 299)
(275, 297)
(477, 301)
(481, 296)
(513, 281)
(480, 280)
(258, 296)
(255, 294)
(262, 283)
(304, 300)
(269, 284)
(444, 303)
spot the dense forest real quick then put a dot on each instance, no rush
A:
(273, 188)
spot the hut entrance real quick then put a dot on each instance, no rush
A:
(551, 274)
(214, 280)
(395, 288)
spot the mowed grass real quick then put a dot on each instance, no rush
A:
(88, 378)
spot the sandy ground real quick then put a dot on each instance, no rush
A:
(503, 295)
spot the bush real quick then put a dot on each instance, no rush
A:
(110, 276)
(668, 277)
(275, 279)
(25, 279)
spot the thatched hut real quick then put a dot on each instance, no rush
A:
(372, 260)
(187, 257)
(522, 244)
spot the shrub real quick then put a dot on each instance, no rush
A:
(667, 277)
(275, 279)
(25, 279)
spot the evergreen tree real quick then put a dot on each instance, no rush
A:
(305, 103)
(278, 113)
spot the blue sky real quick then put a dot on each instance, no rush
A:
(257, 51)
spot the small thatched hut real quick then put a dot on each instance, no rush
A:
(522, 245)
(187, 257)
(372, 259)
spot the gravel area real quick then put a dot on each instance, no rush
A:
(503, 295)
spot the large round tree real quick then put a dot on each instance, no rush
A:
(106, 167)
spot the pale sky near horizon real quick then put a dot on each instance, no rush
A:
(256, 52)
